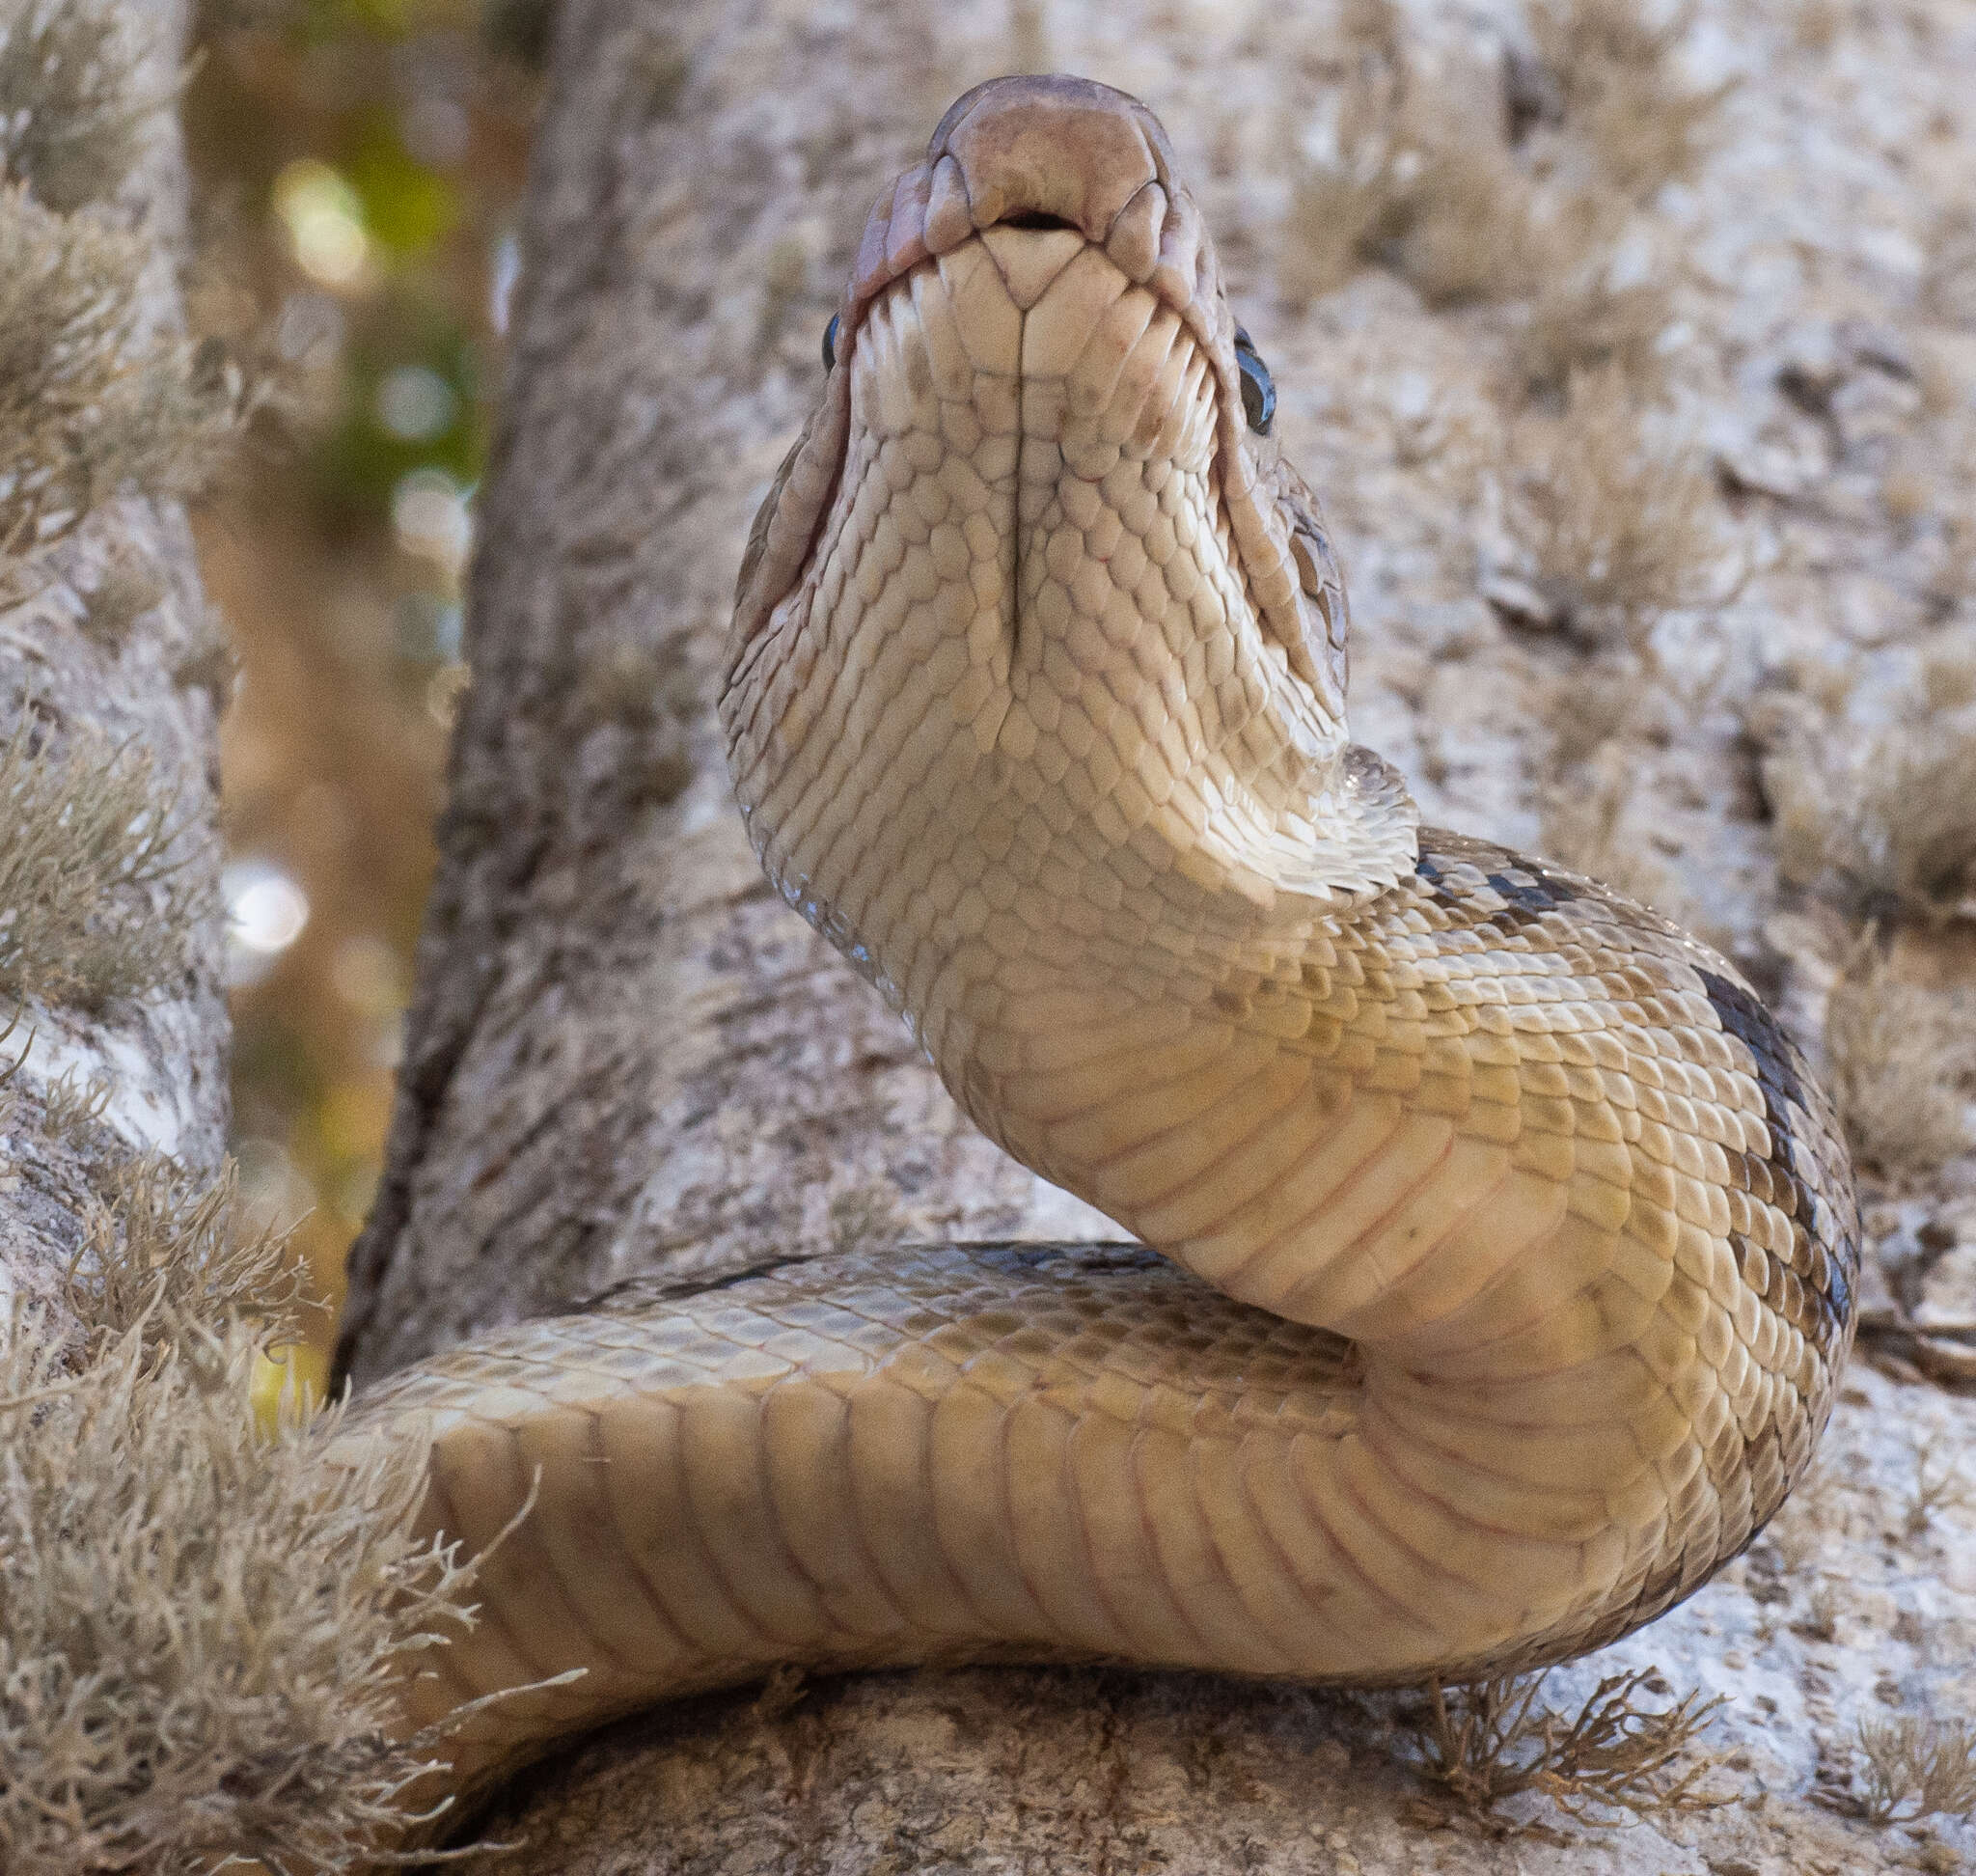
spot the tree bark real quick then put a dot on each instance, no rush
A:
(628, 1061)
(158, 686)
(626, 1058)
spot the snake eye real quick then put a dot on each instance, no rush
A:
(830, 343)
(1258, 387)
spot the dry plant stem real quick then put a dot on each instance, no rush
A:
(1897, 1060)
(1613, 64)
(1494, 1742)
(161, 1252)
(67, 1108)
(1917, 1768)
(100, 877)
(1620, 523)
(1884, 819)
(73, 96)
(92, 397)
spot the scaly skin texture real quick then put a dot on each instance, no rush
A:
(1531, 1242)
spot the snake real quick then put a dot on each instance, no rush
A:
(1492, 1249)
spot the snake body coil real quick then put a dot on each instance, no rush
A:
(1515, 1247)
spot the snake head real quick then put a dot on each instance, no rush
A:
(1039, 536)
(1081, 166)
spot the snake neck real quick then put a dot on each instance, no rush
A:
(1036, 706)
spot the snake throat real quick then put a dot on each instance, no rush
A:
(1507, 1245)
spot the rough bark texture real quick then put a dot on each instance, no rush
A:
(627, 1061)
(626, 1057)
(160, 685)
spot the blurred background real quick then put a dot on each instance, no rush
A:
(357, 167)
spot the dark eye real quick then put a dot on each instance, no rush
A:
(830, 345)
(1258, 387)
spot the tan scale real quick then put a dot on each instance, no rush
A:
(1530, 1240)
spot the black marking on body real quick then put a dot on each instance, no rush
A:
(1787, 1103)
(1777, 1060)
(1527, 891)
(1541, 895)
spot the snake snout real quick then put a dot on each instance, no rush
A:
(1056, 158)
(1060, 148)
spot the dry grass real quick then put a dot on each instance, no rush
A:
(89, 401)
(1493, 1742)
(1618, 516)
(199, 1629)
(1820, 1622)
(1417, 178)
(70, 1108)
(1466, 235)
(1614, 63)
(1883, 821)
(1586, 826)
(99, 881)
(1939, 1485)
(1599, 302)
(70, 107)
(1917, 1768)
(1899, 1060)
(1345, 204)
(1585, 708)
(126, 588)
(865, 1216)
(1416, 175)
(200, 1632)
(161, 1252)
(10, 1067)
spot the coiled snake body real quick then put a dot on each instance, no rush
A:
(1508, 1248)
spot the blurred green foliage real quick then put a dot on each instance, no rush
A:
(407, 206)
(358, 165)
(361, 459)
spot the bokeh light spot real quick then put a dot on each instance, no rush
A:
(325, 223)
(266, 912)
(415, 403)
(429, 511)
(502, 280)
